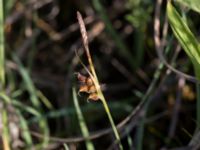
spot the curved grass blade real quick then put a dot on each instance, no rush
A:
(34, 99)
(25, 130)
(189, 44)
(44, 99)
(66, 146)
(183, 34)
(82, 123)
(5, 134)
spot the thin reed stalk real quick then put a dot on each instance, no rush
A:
(95, 79)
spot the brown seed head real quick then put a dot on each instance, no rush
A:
(83, 88)
(89, 81)
(92, 89)
(93, 96)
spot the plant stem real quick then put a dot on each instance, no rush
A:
(5, 134)
(111, 119)
(2, 71)
(82, 123)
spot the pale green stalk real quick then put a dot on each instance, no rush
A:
(83, 126)
(66, 146)
(2, 46)
(5, 135)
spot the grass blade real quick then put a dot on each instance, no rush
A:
(189, 44)
(5, 135)
(34, 99)
(66, 146)
(23, 123)
(25, 132)
(183, 34)
(44, 99)
(2, 45)
(82, 123)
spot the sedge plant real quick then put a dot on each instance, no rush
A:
(92, 73)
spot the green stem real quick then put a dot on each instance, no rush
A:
(82, 123)
(111, 119)
(5, 134)
(2, 47)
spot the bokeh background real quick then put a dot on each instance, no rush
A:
(41, 37)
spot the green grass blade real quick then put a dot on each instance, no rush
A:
(44, 99)
(129, 141)
(2, 45)
(25, 130)
(34, 99)
(28, 83)
(26, 108)
(183, 34)
(66, 146)
(192, 4)
(111, 120)
(20, 105)
(5, 134)
(82, 123)
(23, 123)
(189, 44)
(4, 97)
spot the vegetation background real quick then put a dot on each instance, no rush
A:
(148, 69)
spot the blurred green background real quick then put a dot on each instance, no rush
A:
(40, 64)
